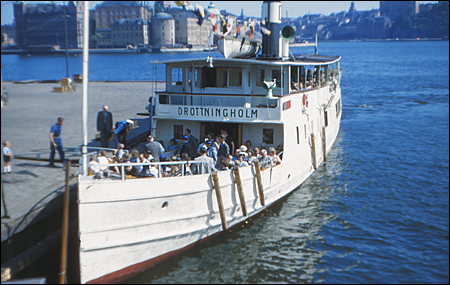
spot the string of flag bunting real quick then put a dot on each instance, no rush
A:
(227, 23)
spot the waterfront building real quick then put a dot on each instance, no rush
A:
(162, 6)
(187, 31)
(373, 28)
(43, 24)
(8, 35)
(392, 9)
(108, 12)
(163, 30)
(129, 32)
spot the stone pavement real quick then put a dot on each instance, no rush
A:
(26, 120)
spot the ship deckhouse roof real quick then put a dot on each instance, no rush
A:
(309, 59)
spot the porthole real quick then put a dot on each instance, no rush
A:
(289, 176)
(165, 205)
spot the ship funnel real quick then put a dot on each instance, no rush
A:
(269, 86)
(271, 18)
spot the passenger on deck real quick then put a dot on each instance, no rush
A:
(263, 145)
(154, 169)
(120, 152)
(207, 164)
(103, 162)
(273, 155)
(135, 159)
(129, 170)
(223, 163)
(192, 144)
(264, 160)
(213, 150)
(256, 152)
(184, 146)
(240, 161)
(236, 155)
(248, 144)
(173, 146)
(224, 150)
(156, 148)
(206, 138)
(187, 166)
(116, 169)
(93, 166)
(144, 159)
(294, 86)
(251, 158)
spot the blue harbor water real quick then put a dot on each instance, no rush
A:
(376, 212)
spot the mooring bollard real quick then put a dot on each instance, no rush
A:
(260, 186)
(219, 200)
(237, 177)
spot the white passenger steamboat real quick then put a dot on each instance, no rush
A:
(128, 225)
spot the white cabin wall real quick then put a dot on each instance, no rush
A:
(164, 130)
(254, 133)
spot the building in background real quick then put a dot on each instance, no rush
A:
(187, 31)
(43, 24)
(392, 9)
(130, 32)
(163, 30)
(108, 12)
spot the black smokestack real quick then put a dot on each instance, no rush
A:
(271, 15)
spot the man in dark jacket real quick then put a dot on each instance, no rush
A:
(192, 144)
(104, 125)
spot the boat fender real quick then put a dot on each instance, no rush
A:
(305, 100)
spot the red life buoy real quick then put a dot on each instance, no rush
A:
(305, 100)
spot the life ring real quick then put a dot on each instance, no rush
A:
(305, 101)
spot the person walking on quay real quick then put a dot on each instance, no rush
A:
(55, 142)
(7, 154)
(121, 132)
(104, 125)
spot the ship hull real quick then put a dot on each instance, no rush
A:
(127, 226)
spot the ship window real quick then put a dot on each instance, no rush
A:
(209, 77)
(326, 118)
(177, 100)
(163, 99)
(276, 74)
(268, 136)
(221, 77)
(198, 77)
(177, 131)
(177, 76)
(249, 79)
(260, 74)
(338, 108)
(298, 136)
(235, 75)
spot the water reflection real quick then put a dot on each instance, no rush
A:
(286, 244)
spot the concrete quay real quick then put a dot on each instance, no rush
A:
(26, 120)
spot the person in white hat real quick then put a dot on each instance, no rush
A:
(121, 132)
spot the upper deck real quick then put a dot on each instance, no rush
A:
(194, 86)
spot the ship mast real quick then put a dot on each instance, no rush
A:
(85, 82)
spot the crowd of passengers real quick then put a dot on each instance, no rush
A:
(213, 154)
